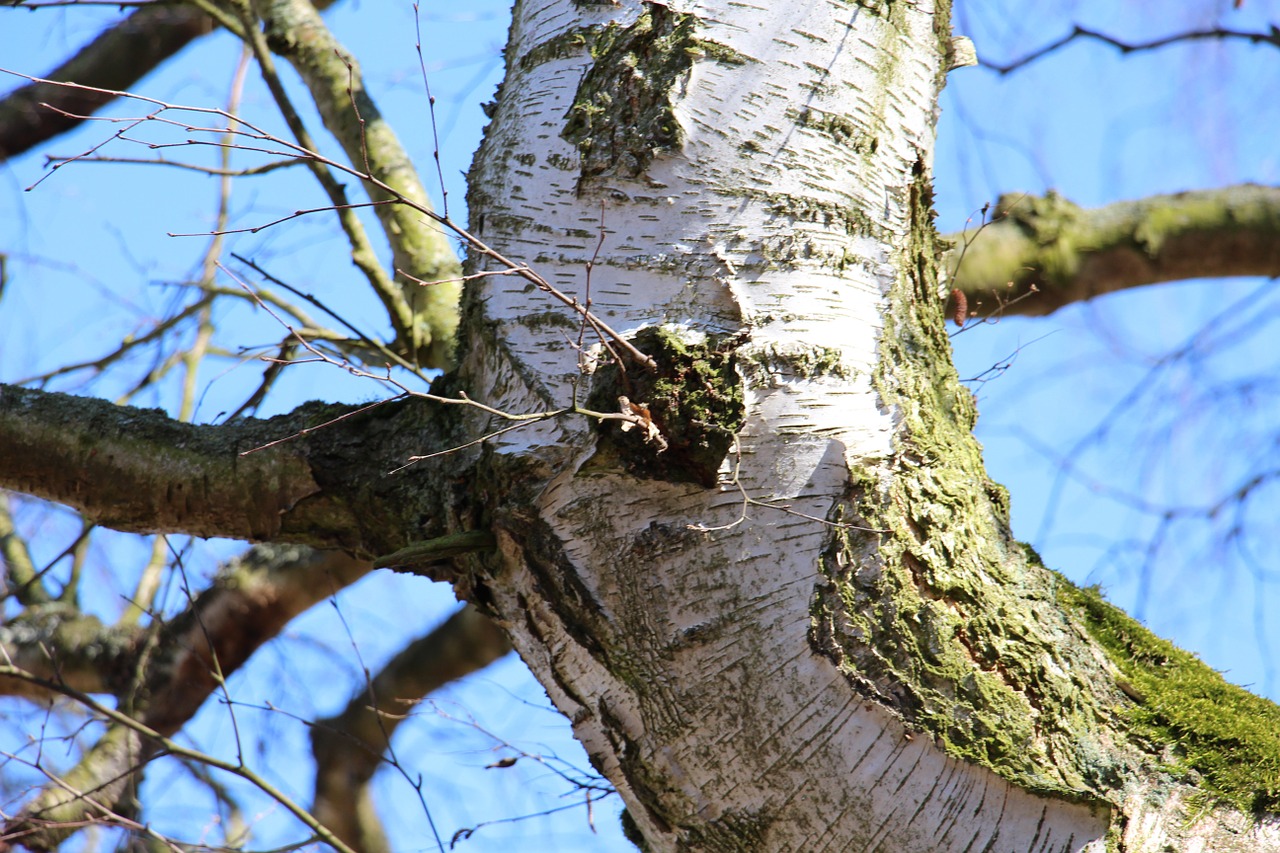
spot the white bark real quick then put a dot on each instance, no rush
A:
(685, 657)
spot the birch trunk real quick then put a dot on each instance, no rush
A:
(804, 624)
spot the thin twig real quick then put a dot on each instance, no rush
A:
(1078, 32)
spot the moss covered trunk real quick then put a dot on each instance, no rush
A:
(779, 601)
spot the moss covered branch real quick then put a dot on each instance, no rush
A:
(425, 318)
(140, 471)
(1060, 253)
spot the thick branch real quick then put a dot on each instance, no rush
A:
(138, 470)
(1069, 254)
(249, 603)
(349, 747)
(116, 59)
(57, 642)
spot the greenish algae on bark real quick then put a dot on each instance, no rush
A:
(928, 605)
(1185, 710)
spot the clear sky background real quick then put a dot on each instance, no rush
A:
(1112, 423)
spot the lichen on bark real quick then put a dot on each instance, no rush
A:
(623, 114)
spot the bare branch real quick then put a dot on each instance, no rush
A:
(350, 747)
(1070, 254)
(140, 471)
(116, 59)
(77, 800)
(21, 578)
(1215, 34)
(425, 319)
(435, 550)
(53, 650)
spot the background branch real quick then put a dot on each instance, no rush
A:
(1078, 33)
(164, 673)
(425, 318)
(118, 58)
(349, 747)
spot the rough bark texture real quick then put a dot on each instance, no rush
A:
(788, 617)
(137, 470)
(861, 655)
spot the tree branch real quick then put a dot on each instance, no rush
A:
(56, 642)
(1216, 34)
(349, 748)
(140, 471)
(1069, 254)
(163, 675)
(118, 58)
(425, 318)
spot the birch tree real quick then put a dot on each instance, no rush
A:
(701, 455)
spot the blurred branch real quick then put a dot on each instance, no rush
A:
(349, 748)
(21, 578)
(1070, 254)
(169, 671)
(59, 643)
(118, 58)
(1272, 37)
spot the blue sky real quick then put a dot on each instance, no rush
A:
(1090, 420)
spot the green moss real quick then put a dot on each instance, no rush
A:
(622, 115)
(719, 52)
(803, 362)
(1227, 735)
(694, 397)
(850, 219)
(1051, 223)
(548, 319)
(933, 610)
(567, 44)
(632, 832)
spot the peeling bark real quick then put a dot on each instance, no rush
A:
(796, 622)
(837, 643)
